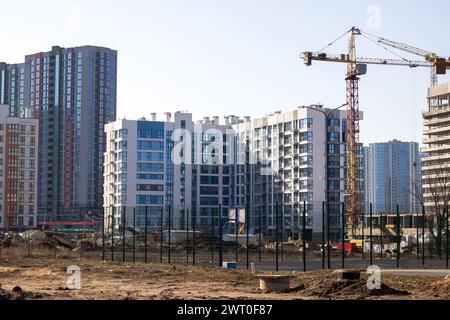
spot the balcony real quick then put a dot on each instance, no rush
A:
(439, 130)
(441, 149)
(445, 110)
(437, 140)
(434, 122)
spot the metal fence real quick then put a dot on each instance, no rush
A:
(381, 239)
(143, 235)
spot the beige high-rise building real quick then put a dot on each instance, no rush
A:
(436, 158)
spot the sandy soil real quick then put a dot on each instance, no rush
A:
(46, 278)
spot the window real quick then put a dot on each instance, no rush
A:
(306, 148)
(150, 156)
(150, 167)
(333, 137)
(150, 145)
(306, 160)
(333, 149)
(334, 122)
(306, 123)
(150, 176)
(306, 173)
(150, 134)
(306, 136)
(143, 199)
(334, 161)
(150, 187)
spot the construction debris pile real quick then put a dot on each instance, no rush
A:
(358, 288)
(50, 239)
(17, 294)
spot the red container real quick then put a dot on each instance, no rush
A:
(348, 247)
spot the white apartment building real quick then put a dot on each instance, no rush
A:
(140, 171)
(303, 157)
(18, 171)
(287, 158)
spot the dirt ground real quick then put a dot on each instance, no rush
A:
(45, 277)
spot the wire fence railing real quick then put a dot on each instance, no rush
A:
(143, 235)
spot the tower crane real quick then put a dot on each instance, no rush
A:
(357, 66)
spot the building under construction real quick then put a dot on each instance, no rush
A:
(436, 158)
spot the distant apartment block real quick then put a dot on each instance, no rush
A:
(300, 157)
(140, 171)
(18, 171)
(436, 160)
(12, 88)
(392, 176)
(72, 93)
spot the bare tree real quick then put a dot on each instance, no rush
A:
(436, 196)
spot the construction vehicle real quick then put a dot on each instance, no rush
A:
(356, 67)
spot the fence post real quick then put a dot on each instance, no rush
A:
(381, 236)
(123, 233)
(343, 235)
(134, 234)
(282, 230)
(187, 235)
(236, 227)
(194, 222)
(417, 236)
(328, 238)
(103, 236)
(363, 249)
(371, 233)
(170, 235)
(161, 236)
(260, 235)
(247, 229)
(277, 222)
(81, 242)
(146, 235)
(423, 235)
(112, 233)
(399, 238)
(323, 235)
(212, 238)
(220, 237)
(304, 236)
(446, 239)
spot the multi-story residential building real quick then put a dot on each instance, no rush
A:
(436, 159)
(18, 170)
(299, 157)
(141, 172)
(72, 92)
(392, 175)
(12, 88)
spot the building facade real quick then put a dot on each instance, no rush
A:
(18, 171)
(392, 175)
(299, 158)
(141, 172)
(12, 88)
(72, 93)
(436, 158)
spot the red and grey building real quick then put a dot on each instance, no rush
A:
(72, 93)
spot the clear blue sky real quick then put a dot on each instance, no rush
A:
(215, 57)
